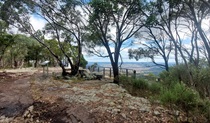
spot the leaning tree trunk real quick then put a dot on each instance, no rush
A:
(1, 62)
(166, 63)
(74, 69)
(116, 76)
(64, 72)
(116, 72)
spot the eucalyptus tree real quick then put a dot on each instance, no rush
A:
(198, 12)
(7, 41)
(155, 43)
(35, 53)
(166, 16)
(169, 18)
(16, 48)
(111, 24)
(63, 23)
(19, 50)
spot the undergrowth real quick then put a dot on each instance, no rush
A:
(170, 92)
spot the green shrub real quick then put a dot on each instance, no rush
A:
(168, 79)
(167, 97)
(177, 73)
(150, 77)
(126, 81)
(197, 77)
(204, 107)
(155, 87)
(140, 84)
(180, 95)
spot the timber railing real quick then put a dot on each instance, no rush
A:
(108, 72)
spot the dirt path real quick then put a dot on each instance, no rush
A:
(29, 97)
(15, 94)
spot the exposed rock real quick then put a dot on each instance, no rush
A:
(80, 114)
(115, 111)
(124, 115)
(144, 109)
(28, 112)
(156, 113)
(4, 119)
(88, 102)
(177, 113)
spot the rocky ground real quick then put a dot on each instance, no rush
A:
(28, 96)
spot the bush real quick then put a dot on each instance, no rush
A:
(124, 79)
(176, 74)
(135, 83)
(140, 84)
(155, 87)
(200, 77)
(207, 110)
(180, 95)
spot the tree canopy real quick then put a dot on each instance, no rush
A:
(111, 24)
(164, 28)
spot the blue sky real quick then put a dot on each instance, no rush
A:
(38, 23)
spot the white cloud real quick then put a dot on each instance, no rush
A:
(124, 54)
(37, 22)
(205, 24)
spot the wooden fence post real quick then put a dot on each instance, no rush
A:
(110, 74)
(134, 74)
(104, 72)
(47, 70)
(126, 72)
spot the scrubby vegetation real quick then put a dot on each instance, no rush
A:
(175, 89)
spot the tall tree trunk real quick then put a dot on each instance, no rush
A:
(200, 30)
(114, 63)
(197, 50)
(116, 73)
(36, 60)
(64, 73)
(166, 63)
(35, 64)
(74, 69)
(1, 63)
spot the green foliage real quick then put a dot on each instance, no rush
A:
(17, 50)
(151, 20)
(141, 53)
(101, 7)
(175, 94)
(93, 67)
(3, 26)
(140, 84)
(124, 79)
(54, 46)
(83, 62)
(204, 106)
(176, 90)
(180, 95)
(155, 87)
(136, 83)
(6, 41)
(180, 73)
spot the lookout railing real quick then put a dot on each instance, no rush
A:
(108, 72)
